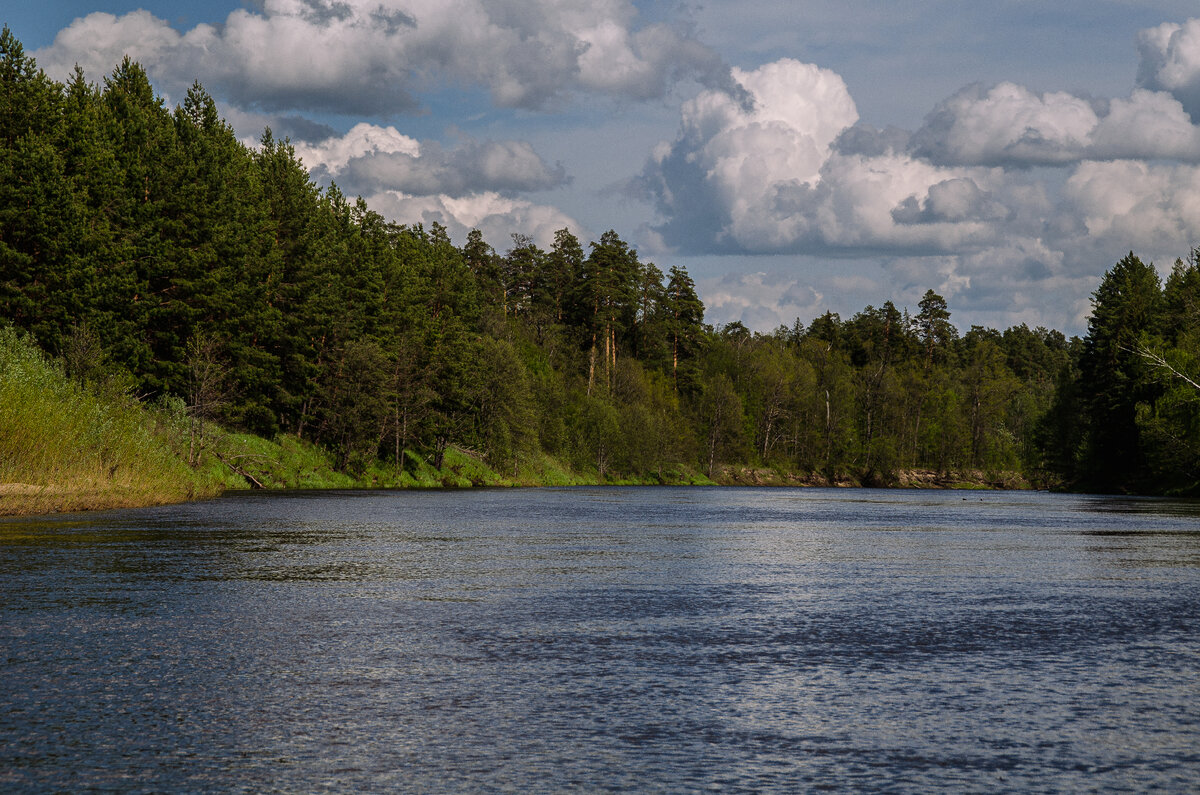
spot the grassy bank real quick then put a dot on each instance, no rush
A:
(66, 447)
(243, 461)
(69, 446)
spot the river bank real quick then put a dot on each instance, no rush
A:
(899, 479)
(27, 499)
(74, 443)
(301, 467)
(71, 444)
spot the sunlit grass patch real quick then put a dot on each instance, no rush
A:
(64, 446)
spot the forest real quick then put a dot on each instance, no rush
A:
(148, 248)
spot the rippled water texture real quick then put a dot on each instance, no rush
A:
(605, 640)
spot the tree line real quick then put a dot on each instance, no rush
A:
(149, 245)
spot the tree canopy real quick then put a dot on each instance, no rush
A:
(153, 240)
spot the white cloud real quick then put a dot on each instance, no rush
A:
(369, 159)
(951, 200)
(895, 201)
(98, 42)
(1136, 205)
(760, 300)
(1006, 124)
(335, 153)
(731, 163)
(1020, 281)
(959, 207)
(1170, 61)
(1148, 125)
(373, 56)
(769, 179)
(1009, 125)
(496, 216)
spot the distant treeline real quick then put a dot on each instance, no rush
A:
(150, 246)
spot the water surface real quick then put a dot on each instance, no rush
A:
(643, 639)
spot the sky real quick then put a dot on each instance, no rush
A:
(795, 157)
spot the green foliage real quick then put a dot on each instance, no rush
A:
(1127, 308)
(934, 328)
(68, 446)
(154, 252)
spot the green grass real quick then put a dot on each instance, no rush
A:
(542, 469)
(283, 463)
(288, 462)
(67, 447)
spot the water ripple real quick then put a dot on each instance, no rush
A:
(605, 640)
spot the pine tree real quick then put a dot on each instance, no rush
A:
(38, 214)
(1126, 305)
(685, 318)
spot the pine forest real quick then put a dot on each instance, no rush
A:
(146, 250)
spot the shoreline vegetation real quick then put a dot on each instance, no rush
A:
(29, 500)
(74, 446)
(171, 298)
(67, 445)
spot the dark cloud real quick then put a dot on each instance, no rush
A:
(505, 167)
(863, 139)
(392, 21)
(298, 128)
(319, 12)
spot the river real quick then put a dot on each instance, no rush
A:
(605, 640)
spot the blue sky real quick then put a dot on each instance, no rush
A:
(795, 157)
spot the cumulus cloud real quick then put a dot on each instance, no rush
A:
(1018, 280)
(99, 41)
(1170, 61)
(956, 199)
(777, 177)
(373, 56)
(760, 300)
(1009, 125)
(1139, 204)
(1148, 125)
(1004, 125)
(795, 173)
(863, 139)
(733, 168)
(895, 201)
(335, 153)
(466, 187)
(1006, 199)
(370, 159)
(496, 216)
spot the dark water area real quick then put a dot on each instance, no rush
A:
(601, 640)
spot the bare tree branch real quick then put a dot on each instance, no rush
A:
(1158, 361)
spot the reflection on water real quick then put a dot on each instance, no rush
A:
(605, 640)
